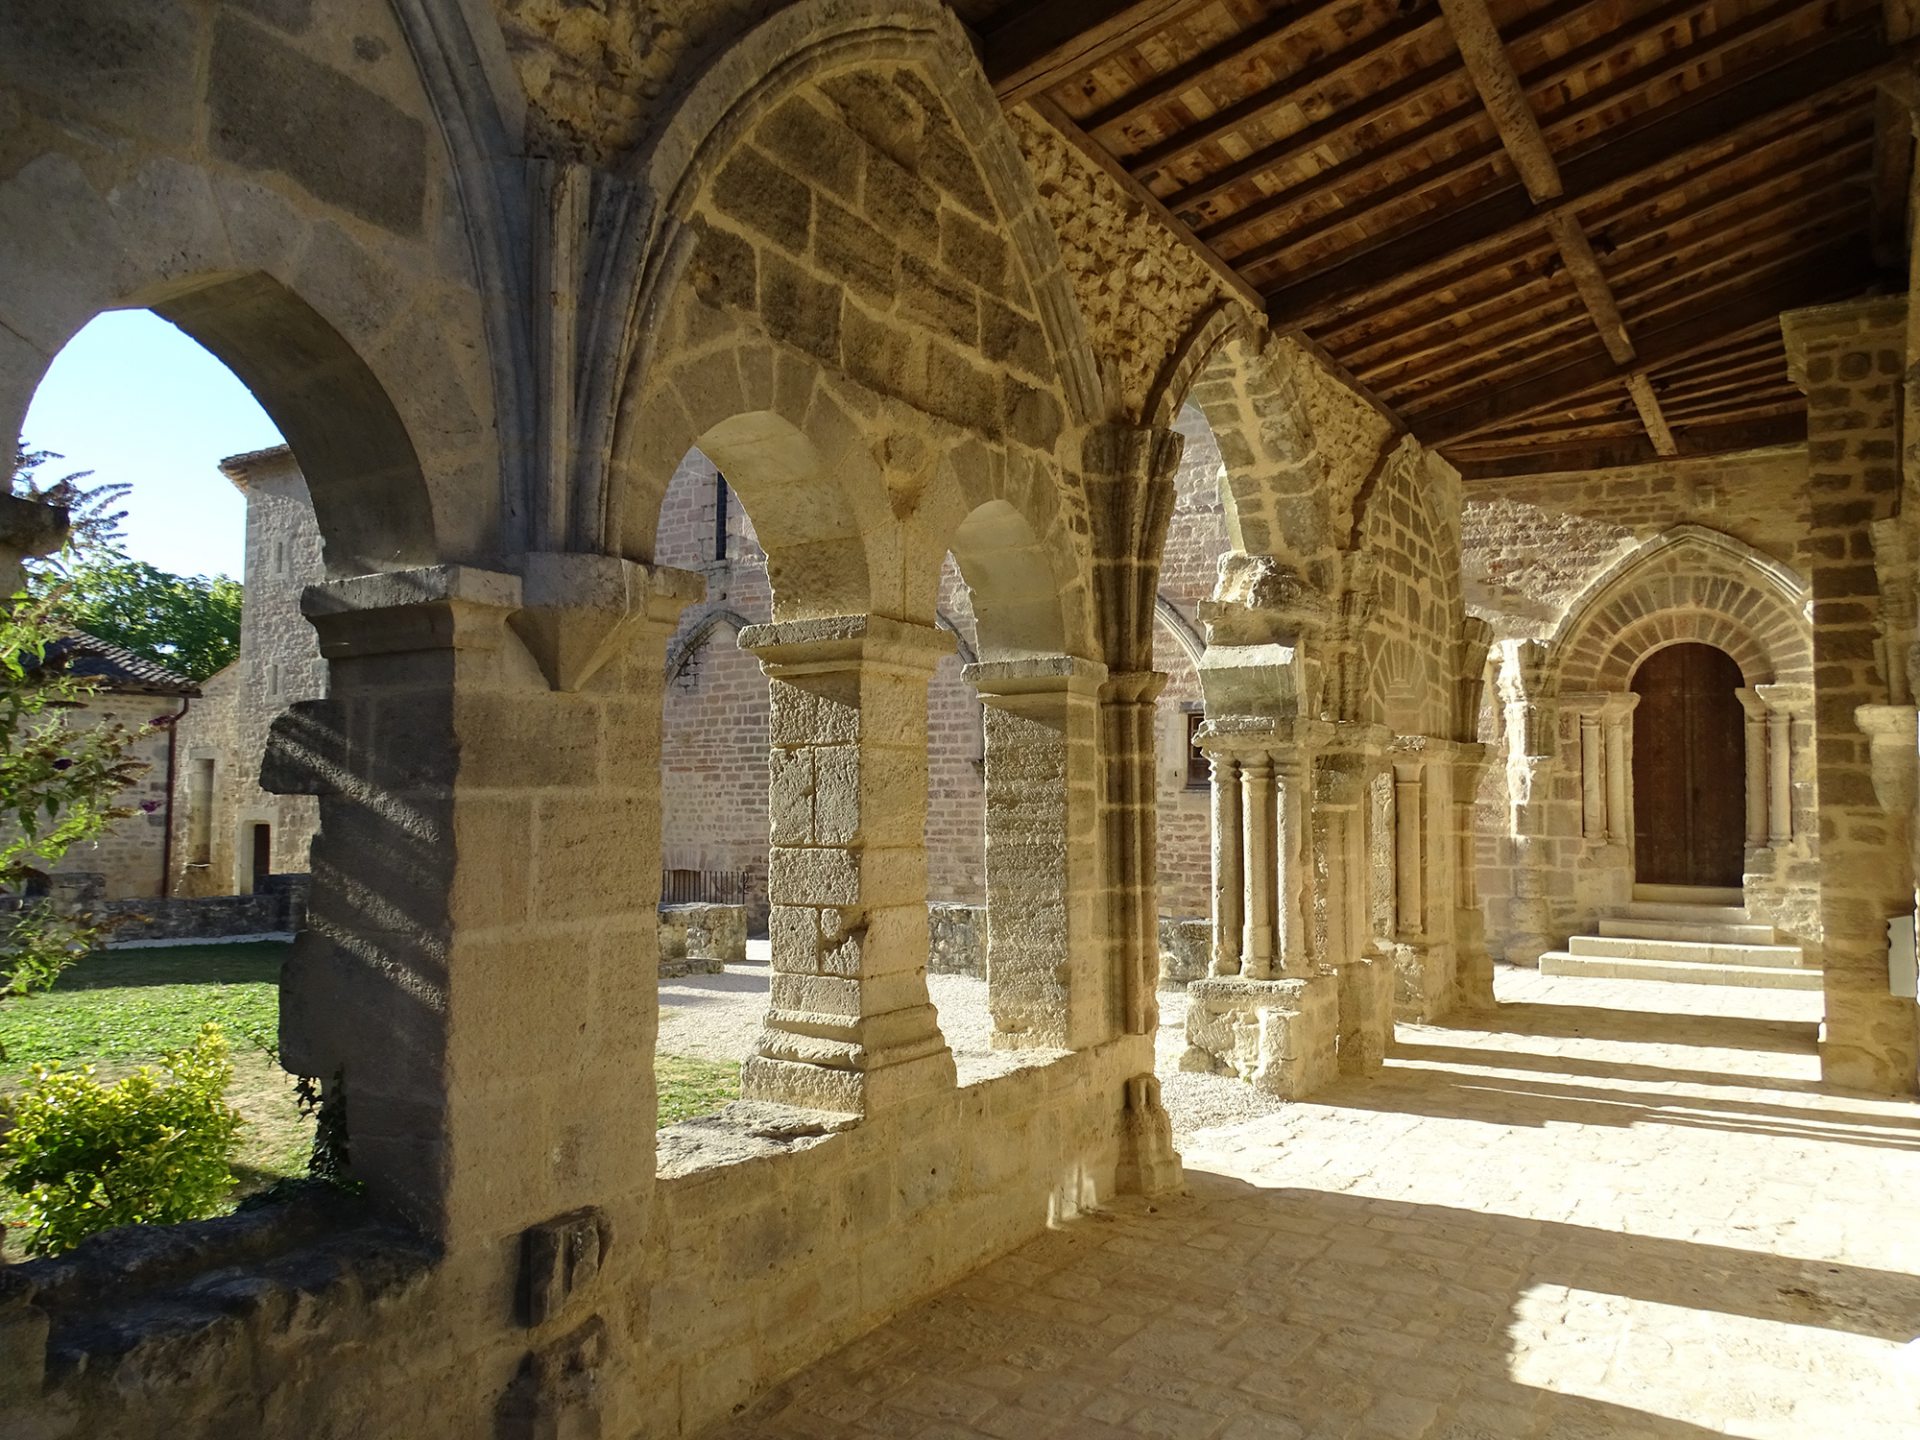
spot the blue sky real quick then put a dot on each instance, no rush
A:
(133, 399)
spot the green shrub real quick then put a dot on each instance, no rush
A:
(88, 1156)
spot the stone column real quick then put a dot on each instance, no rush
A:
(1345, 774)
(1615, 719)
(1129, 841)
(1229, 879)
(1257, 847)
(1473, 964)
(1779, 764)
(849, 1026)
(1850, 360)
(1044, 956)
(1756, 766)
(1293, 862)
(1593, 783)
(475, 982)
(1409, 859)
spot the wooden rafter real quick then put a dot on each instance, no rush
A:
(1717, 118)
(1041, 46)
(1648, 404)
(1838, 273)
(1892, 177)
(1533, 459)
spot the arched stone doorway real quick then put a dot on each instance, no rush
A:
(1689, 787)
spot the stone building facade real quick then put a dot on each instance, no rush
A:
(514, 265)
(1582, 579)
(228, 833)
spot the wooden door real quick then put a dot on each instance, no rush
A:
(262, 856)
(1689, 769)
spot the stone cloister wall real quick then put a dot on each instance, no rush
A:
(1696, 551)
(829, 270)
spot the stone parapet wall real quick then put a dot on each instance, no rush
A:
(699, 939)
(957, 939)
(279, 909)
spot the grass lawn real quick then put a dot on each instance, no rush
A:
(124, 1008)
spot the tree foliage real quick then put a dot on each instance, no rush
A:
(93, 511)
(188, 623)
(59, 787)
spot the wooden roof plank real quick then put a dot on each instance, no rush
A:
(1041, 46)
(1715, 117)
(1839, 274)
(1288, 91)
(1706, 440)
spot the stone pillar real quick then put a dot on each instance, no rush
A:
(1473, 964)
(1229, 879)
(474, 985)
(849, 1026)
(1756, 766)
(1294, 862)
(1044, 956)
(1345, 774)
(1593, 787)
(1257, 847)
(1779, 764)
(1424, 847)
(1129, 841)
(1850, 360)
(1409, 855)
(1615, 720)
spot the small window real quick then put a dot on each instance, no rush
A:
(279, 557)
(273, 681)
(719, 516)
(1199, 773)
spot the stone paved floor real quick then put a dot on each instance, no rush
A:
(1618, 1208)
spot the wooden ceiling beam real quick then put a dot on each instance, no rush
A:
(1473, 371)
(1704, 440)
(1444, 334)
(1733, 380)
(1838, 274)
(1041, 46)
(1328, 134)
(1710, 46)
(1230, 54)
(1837, 166)
(1716, 117)
(1484, 54)
(1282, 95)
(1648, 404)
(1332, 131)
(1752, 259)
(1484, 277)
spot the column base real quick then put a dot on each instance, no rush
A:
(1149, 1165)
(1366, 1014)
(1423, 983)
(1278, 1035)
(823, 1072)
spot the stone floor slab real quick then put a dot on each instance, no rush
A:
(1611, 1208)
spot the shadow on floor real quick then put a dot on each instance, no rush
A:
(1411, 1087)
(1647, 1027)
(1303, 1312)
(1625, 1070)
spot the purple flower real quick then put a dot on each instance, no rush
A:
(149, 806)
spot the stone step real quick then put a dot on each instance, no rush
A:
(1691, 894)
(1695, 914)
(1605, 967)
(1779, 957)
(1722, 933)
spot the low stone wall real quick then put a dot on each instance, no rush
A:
(1186, 946)
(701, 939)
(278, 909)
(957, 939)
